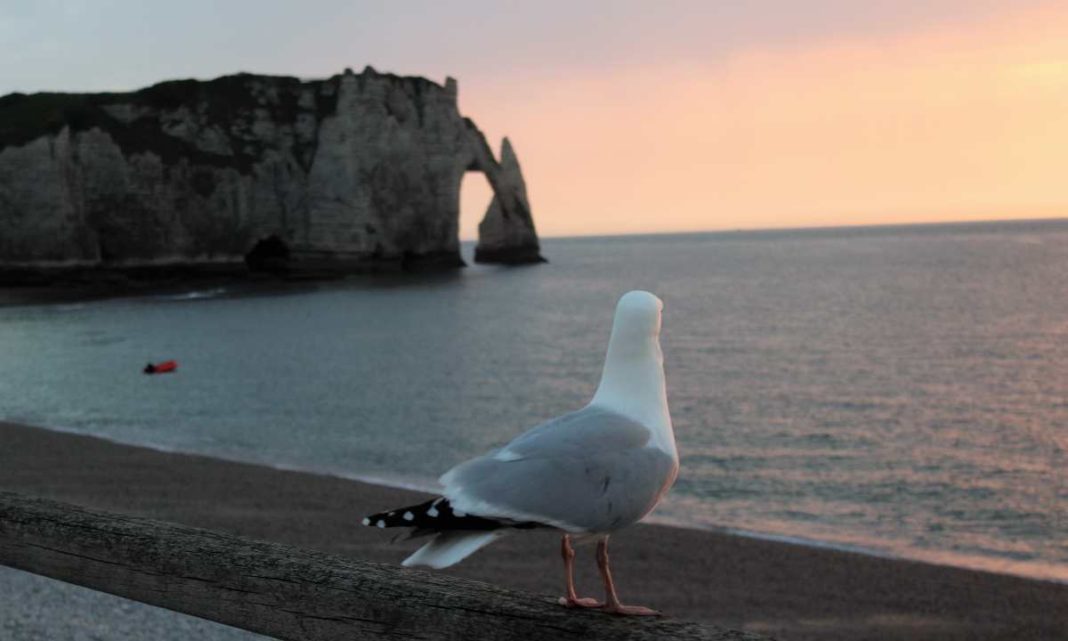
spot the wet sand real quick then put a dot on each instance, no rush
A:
(785, 590)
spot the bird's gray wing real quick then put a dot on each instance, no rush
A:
(589, 471)
(591, 428)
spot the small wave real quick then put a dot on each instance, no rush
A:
(193, 295)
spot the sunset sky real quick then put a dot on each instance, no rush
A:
(635, 116)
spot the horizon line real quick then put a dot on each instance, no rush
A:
(738, 230)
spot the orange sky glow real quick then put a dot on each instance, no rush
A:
(634, 117)
(956, 122)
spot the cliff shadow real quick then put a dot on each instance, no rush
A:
(269, 255)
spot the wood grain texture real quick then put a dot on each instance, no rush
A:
(288, 592)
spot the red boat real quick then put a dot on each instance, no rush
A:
(166, 367)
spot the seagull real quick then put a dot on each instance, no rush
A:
(587, 474)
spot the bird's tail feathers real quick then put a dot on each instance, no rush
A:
(449, 548)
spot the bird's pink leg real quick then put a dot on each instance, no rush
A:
(572, 600)
(612, 604)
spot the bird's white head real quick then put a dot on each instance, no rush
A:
(636, 326)
(632, 382)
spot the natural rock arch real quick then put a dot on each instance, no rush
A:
(506, 234)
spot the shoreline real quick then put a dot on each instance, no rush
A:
(653, 519)
(786, 590)
(215, 286)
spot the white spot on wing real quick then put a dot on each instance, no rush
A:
(380, 523)
(366, 521)
(432, 511)
(408, 516)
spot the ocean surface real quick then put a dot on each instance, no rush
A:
(901, 391)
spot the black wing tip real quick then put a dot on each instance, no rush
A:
(435, 515)
(392, 518)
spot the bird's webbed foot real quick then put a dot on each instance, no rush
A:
(579, 602)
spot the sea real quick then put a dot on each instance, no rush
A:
(897, 391)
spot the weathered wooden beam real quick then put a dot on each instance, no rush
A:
(288, 592)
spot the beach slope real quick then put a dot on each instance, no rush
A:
(788, 591)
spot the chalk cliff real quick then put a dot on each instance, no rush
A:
(357, 172)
